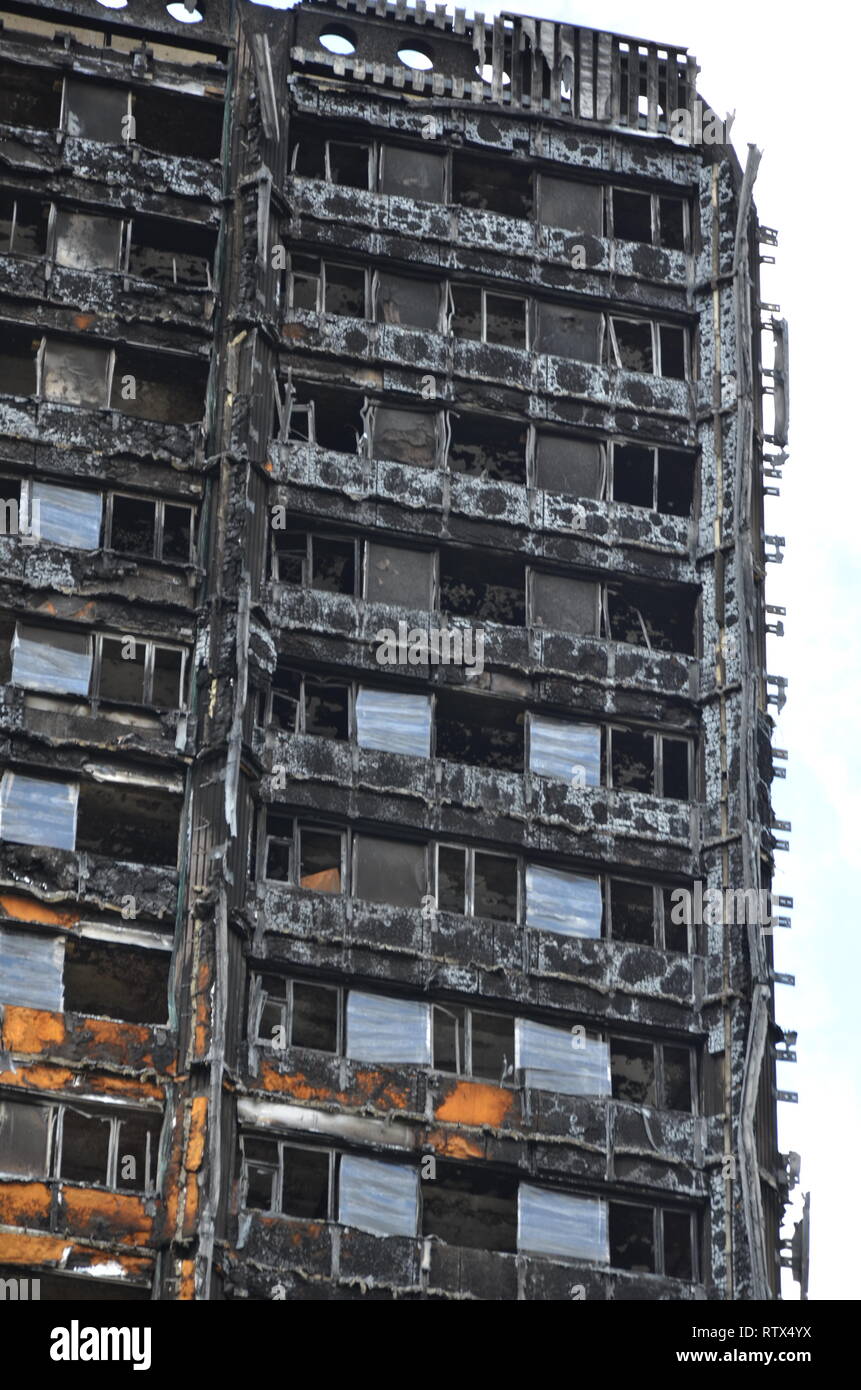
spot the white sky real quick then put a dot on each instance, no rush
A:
(755, 59)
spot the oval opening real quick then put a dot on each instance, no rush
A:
(416, 58)
(338, 41)
(177, 11)
(114, 4)
(486, 74)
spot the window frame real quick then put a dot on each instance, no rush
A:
(658, 736)
(470, 852)
(613, 356)
(659, 1065)
(659, 916)
(54, 1148)
(151, 644)
(159, 503)
(286, 1006)
(510, 1080)
(658, 1245)
(655, 217)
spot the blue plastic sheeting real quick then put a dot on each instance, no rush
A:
(31, 970)
(394, 723)
(388, 1030)
(554, 1059)
(66, 516)
(56, 662)
(378, 1197)
(561, 902)
(567, 752)
(36, 812)
(553, 1223)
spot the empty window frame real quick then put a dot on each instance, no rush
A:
(34, 811)
(348, 163)
(487, 446)
(170, 253)
(290, 1179)
(658, 1074)
(64, 1143)
(477, 883)
(653, 1240)
(329, 287)
(304, 854)
(168, 387)
(29, 96)
(572, 205)
(23, 225)
(660, 617)
(326, 708)
(480, 730)
(489, 185)
(403, 435)
(155, 529)
(324, 415)
(660, 479)
(473, 1042)
(641, 345)
(407, 300)
(471, 1207)
(72, 373)
(124, 821)
(490, 317)
(641, 913)
(562, 463)
(485, 587)
(655, 218)
(136, 670)
(104, 979)
(657, 764)
(297, 1013)
(328, 562)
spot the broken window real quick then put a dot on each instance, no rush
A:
(563, 902)
(160, 386)
(83, 241)
(378, 1197)
(177, 254)
(320, 859)
(633, 912)
(556, 1059)
(679, 1234)
(84, 1147)
(480, 731)
(23, 225)
(287, 1179)
(389, 871)
(638, 345)
(410, 173)
(566, 330)
(405, 436)
(326, 708)
(492, 186)
(25, 1132)
(564, 604)
(44, 658)
(174, 123)
(34, 811)
(486, 446)
(489, 317)
(295, 1013)
(632, 1237)
(473, 1208)
(394, 722)
(319, 562)
(327, 416)
(348, 164)
(468, 591)
(567, 752)
(650, 218)
(108, 1151)
(675, 932)
(96, 111)
(18, 356)
(66, 516)
(573, 206)
(634, 1071)
(650, 763)
(29, 96)
(398, 576)
(140, 672)
(308, 158)
(661, 618)
(472, 1042)
(477, 883)
(108, 980)
(156, 529)
(387, 1030)
(555, 1223)
(122, 821)
(407, 300)
(567, 465)
(75, 375)
(31, 971)
(326, 286)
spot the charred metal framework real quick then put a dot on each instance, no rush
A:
(324, 976)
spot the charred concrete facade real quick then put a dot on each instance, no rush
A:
(383, 646)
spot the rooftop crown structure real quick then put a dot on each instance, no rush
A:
(386, 845)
